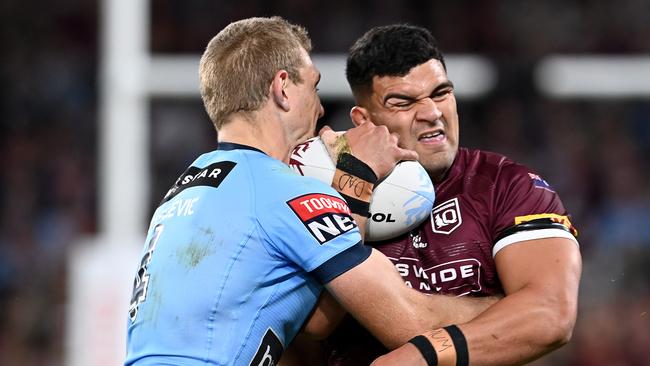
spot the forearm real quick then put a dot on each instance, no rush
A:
(541, 279)
(536, 316)
(518, 329)
(457, 310)
(435, 311)
(392, 311)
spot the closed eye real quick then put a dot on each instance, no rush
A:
(442, 91)
(398, 101)
(441, 95)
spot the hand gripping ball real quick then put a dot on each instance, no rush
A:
(400, 201)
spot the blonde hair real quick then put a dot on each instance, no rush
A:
(240, 61)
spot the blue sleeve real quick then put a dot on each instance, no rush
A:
(341, 263)
(312, 227)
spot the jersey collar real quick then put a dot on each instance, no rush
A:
(227, 146)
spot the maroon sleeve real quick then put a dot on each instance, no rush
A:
(522, 196)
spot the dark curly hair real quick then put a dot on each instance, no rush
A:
(391, 50)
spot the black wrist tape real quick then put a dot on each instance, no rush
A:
(351, 165)
(356, 206)
(354, 180)
(460, 343)
(426, 349)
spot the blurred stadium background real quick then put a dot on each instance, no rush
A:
(94, 131)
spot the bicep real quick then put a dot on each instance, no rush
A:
(552, 265)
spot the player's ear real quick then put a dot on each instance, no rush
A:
(359, 115)
(278, 86)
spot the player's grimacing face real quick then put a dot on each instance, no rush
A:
(421, 108)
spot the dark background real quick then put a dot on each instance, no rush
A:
(593, 151)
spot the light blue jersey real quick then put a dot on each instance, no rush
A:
(234, 262)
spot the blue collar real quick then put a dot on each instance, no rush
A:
(233, 146)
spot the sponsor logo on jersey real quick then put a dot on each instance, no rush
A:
(269, 351)
(458, 277)
(211, 175)
(446, 217)
(559, 219)
(325, 216)
(538, 182)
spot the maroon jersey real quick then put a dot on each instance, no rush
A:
(485, 203)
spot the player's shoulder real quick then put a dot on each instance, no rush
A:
(486, 160)
(507, 180)
(491, 165)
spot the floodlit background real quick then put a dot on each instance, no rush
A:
(562, 86)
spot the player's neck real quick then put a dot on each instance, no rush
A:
(260, 133)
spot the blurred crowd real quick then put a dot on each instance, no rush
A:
(594, 152)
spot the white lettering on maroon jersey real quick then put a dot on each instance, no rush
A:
(455, 277)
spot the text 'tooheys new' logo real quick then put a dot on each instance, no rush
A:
(325, 216)
(445, 217)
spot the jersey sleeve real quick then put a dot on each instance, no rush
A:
(526, 207)
(313, 227)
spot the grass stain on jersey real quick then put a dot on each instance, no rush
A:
(193, 254)
(197, 249)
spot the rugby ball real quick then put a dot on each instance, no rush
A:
(400, 201)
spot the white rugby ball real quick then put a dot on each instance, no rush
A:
(399, 202)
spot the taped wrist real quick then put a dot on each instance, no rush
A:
(354, 180)
(460, 344)
(426, 349)
(443, 347)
